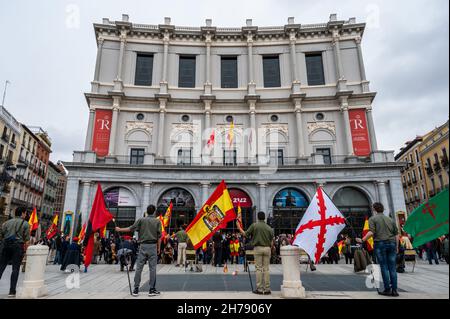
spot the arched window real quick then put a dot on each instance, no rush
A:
(289, 206)
(122, 204)
(183, 207)
(355, 206)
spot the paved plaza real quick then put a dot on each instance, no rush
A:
(329, 281)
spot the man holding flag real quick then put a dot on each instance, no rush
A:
(385, 236)
(262, 239)
(149, 230)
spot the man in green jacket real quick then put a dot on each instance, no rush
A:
(149, 230)
(15, 236)
(262, 239)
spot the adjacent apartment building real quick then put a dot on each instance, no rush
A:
(426, 172)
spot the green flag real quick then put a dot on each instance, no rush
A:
(429, 221)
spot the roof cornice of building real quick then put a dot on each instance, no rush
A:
(331, 28)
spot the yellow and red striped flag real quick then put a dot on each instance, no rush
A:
(230, 136)
(33, 221)
(168, 215)
(215, 214)
(369, 243)
(239, 217)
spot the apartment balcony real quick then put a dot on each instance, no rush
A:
(404, 185)
(429, 170)
(431, 193)
(437, 167)
(444, 161)
(414, 180)
(258, 161)
(5, 138)
(409, 183)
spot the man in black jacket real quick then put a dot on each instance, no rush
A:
(217, 239)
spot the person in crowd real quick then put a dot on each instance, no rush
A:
(97, 248)
(386, 240)
(73, 255)
(347, 250)
(262, 239)
(126, 253)
(218, 243)
(15, 237)
(445, 248)
(58, 247)
(431, 248)
(168, 254)
(333, 254)
(149, 230)
(182, 246)
(64, 247)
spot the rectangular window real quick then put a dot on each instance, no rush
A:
(420, 174)
(2, 150)
(186, 75)
(271, 70)
(326, 153)
(314, 69)
(137, 156)
(276, 157)
(417, 157)
(144, 69)
(229, 158)
(229, 72)
(184, 157)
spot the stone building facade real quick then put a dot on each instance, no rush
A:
(274, 111)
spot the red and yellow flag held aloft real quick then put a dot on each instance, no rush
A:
(33, 221)
(214, 215)
(369, 243)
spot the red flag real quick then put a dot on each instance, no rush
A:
(99, 217)
(33, 221)
(53, 229)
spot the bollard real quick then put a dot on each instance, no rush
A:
(33, 283)
(292, 285)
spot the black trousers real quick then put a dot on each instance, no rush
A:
(218, 256)
(14, 254)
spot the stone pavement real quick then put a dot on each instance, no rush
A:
(328, 282)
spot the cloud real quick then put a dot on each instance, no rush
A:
(50, 55)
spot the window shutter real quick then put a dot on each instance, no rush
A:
(186, 76)
(271, 70)
(144, 70)
(229, 72)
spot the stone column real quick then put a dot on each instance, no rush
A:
(362, 70)
(205, 192)
(292, 285)
(251, 75)
(294, 66)
(262, 197)
(162, 115)
(371, 128)
(348, 133)
(208, 85)
(299, 123)
(397, 195)
(118, 83)
(384, 197)
(163, 83)
(338, 63)
(84, 207)
(253, 143)
(115, 117)
(98, 62)
(146, 196)
(90, 130)
(70, 201)
(33, 283)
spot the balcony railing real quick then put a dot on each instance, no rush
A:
(314, 159)
(444, 161)
(437, 167)
(429, 170)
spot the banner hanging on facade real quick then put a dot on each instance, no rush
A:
(360, 133)
(102, 132)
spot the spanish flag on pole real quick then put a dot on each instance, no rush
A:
(239, 217)
(33, 221)
(167, 216)
(369, 243)
(230, 136)
(53, 229)
(215, 214)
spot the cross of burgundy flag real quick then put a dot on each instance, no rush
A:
(320, 226)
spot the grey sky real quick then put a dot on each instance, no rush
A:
(48, 55)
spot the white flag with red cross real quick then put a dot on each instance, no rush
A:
(320, 226)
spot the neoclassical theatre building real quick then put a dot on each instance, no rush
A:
(274, 111)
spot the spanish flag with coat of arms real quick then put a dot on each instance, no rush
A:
(214, 215)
